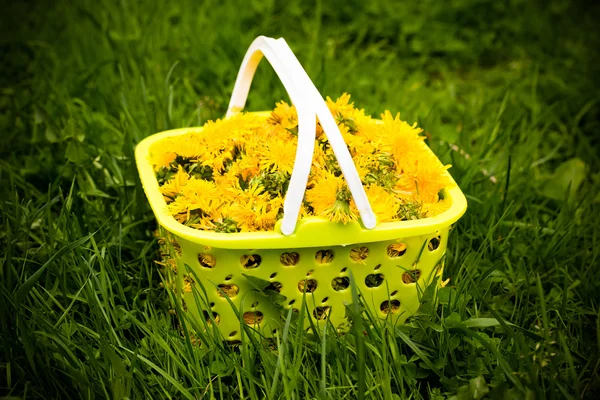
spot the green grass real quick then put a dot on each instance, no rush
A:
(507, 92)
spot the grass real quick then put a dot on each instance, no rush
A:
(507, 93)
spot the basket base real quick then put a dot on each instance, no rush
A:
(233, 290)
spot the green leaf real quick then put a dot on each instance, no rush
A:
(265, 288)
(221, 368)
(453, 319)
(480, 322)
(257, 283)
(566, 180)
(444, 295)
(50, 135)
(75, 152)
(478, 388)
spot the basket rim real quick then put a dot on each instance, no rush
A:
(310, 232)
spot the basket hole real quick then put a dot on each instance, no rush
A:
(434, 243)
(209, 320)
(377, 267)
(233, 333)
(274, 331)
(229, 290)
(395, 292)
(212, 304)
(273, 275)
(322, 312)
(411, 276)
(396, 250)
(309, 273)
(207, 260)
(359, 254)
(253, 317)
(374, 280)
(295, 310)
(292, 302)
(310, 285)
(250, 261)
(228, 277)
(289, 259)
(390, 306)
(340, 283)
(343, 270)
(324, 256)
(255, 304)
(176, 247)
(275, 286)
(325, 300)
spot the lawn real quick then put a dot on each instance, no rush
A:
(507, 92)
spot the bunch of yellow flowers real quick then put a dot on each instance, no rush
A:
(232, 175)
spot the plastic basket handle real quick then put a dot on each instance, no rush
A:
(260, 47)
(336, 140)
(309, 103)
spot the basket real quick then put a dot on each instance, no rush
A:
(309, 261)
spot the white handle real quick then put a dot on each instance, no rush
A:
(336, 140)
(309, 103)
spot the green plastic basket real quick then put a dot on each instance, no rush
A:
(307, 260)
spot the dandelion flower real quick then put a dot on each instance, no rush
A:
(384, 204)
(425, 177)
(330, 198)
(173, 187)
(435, 208)
(285, 116)
(279, 156)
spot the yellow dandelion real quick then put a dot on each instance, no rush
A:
(249, 167)
(284, 115)
(347, 115)
(369, 129)
(197, 194)
(363, 163)
(403, 139)
(229, 180)
(255, 211)
(341, 106)
(319, 159)
(279, 156)
(267, 213)
(384, 204)
(323, 191)
(173, 187)
(424, 178)
(188, 146)
(330, 198)
(435, 208)
(160, 158)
